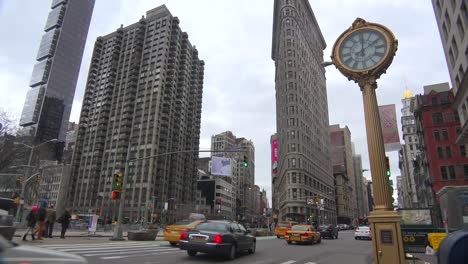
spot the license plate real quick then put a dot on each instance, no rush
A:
(295, 238)
(296, 235)
(175, 232)
(198, 238)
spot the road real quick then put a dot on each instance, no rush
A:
(269, 250)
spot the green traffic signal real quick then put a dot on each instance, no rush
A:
(246, 162)
(387, 166)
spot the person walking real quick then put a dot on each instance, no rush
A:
(65, 220)
(41, 216)
(31, 219)
(50, 221)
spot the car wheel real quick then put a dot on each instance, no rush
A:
(252, 249)
(355, 238)
(173, 244)
(336, 235)
(320, 240)
(277, 236)
(191, 252)
(232, 252)
(289, 242)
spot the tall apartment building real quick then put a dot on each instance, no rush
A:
(344, 173)
(408, 153)
(452, 19)
(48, 103)
(359, 183)
(302, 125)
(245, 178)
(143, 98)
(441, 162)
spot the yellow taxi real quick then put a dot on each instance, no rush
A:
(282, 227)
(172, 233)
(302, 234)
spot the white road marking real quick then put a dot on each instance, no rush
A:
(141, 255)
(289, 262)
(127, 252)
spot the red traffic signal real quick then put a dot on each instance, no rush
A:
(115, 195)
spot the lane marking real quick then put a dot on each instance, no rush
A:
(127, 252)
(289, 262)
(141, 255)
(104, 248)
(115, 250)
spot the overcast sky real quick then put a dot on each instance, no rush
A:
(233, 37)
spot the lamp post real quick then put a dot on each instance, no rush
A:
(28, 176)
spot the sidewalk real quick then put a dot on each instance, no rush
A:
(83, 233)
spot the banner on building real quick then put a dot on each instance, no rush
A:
(389, 125)
(221, 166)
(274, 156)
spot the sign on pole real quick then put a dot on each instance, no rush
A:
(92, 223)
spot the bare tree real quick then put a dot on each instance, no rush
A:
(8, 129)
(8, 123)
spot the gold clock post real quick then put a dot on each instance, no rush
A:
(363, 53)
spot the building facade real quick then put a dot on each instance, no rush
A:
(359, 183)
(408, 152)
(143, 99)
(244, 177)
(452, 20)
(302, 124)
(48, 103)
(442, 161)
(344, 173)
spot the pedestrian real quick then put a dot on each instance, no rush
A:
(65, 221)
(31, 219)
(50, 221)
(41, 216)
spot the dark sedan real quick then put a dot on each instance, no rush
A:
(224, 238)
(328, 231)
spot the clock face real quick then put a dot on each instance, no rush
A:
(363, 49)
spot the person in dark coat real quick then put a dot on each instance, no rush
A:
(65, 220)
(41, 216)
(31, 219)
(50, 220)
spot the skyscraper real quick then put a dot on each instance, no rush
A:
(452, 19)
(143, 98)
(304, 166)
(48, 103)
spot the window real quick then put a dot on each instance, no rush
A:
(411, 147)
(293, 162)
(462, 151)
(293, 178)
(294, 193)
(440, 153)
(452, 172)
(434, 100)
(449, 152)
(436, 135)
(445, 134)
(437, 118)
(465, 171)
(443, 172)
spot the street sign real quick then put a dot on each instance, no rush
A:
(310, 201)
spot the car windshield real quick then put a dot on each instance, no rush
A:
(283, 224)
(323, 227)
(363, 228)
(300, 228)
(211, 226)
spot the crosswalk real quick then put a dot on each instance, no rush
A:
(114, 250)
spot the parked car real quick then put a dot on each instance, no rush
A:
(362, 232)
(172, 232)
(302, 234)
(327, 230)
(282, 227)
(224, 238)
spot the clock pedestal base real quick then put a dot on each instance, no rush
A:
(386, 237)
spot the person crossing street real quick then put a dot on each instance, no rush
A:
(50, 220)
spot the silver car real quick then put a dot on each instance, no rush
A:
(11, 252)
(362, 232)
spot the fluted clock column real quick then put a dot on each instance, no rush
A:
(375, 144)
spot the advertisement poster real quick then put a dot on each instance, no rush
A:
(221, 166)
(92, 223)
(388, 121)
(274, 155)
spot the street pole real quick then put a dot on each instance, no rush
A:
(23, 187)
(152, 208)
(118, 228)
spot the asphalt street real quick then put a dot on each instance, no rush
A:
(269, 250)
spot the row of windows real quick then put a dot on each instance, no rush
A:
(449, 172)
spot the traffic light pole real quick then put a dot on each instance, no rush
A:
(118, 232)
(23, 189)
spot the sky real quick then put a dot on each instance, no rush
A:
(233, 37)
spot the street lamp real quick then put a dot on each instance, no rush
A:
(28, 176)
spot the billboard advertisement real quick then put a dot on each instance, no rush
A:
(221, 166)
(388, 121)
(415, 217)
(274, 155)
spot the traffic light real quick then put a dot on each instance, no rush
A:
(118, 181)
(246, 161)
(115, 195)
(387, 166)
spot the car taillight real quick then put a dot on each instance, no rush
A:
(306, 234)
(288, 226)
(183, 236)
(218, 238)
(286, 233)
